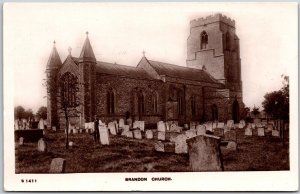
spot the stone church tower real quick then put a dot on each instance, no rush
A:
(214, 47)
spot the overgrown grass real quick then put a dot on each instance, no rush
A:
(132, 155)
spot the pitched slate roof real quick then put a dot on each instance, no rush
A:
(123, 70)
(182, 72)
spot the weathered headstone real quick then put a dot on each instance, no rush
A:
(149, 134)
(112, 128)
(230, 123)
(270, 127)
(121, 123)
(230, 135)
(180, 144)
(21, 141)
(139, 124)
(253, 125)
(42, 146)
(208, 126)
(161, 126)
(261, 131)
(71, 144)
(218, 132)
(129, 134)
(171, 136)
(129, 122)
(248, 130)
(275, 133)
(53, 128)
(231, 146)
(137, 134)
(175, 128)
(186, 126)
(16, 124)
(243, 123)
(258, 125)
(159, 146)
(220, 125)
(58, 165)
(41, 124)
(200, 130)
(204, 153)
(161, 135)
(193, 125)
(190, 133)
(125, 129)
(104, 136)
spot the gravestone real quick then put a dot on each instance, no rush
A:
(41, 124)
(137, 134)
(125, 129)
(116, 126)
(243, 123)
(139, 124)
(258, 125)
(248, 130)
(275, 133)
(193, 125)
(272, 122)
(214, 125)
(164, 146)
(186, 126)
(261, 131)
(230, 146)
(218, 132)
(253, 125)
(208, 126)
(121, 123)
(71, 144)
(200, 130)
(42, 146)
(53, 128)
(159, 146)
(270, 127)
(204, 153)
(21, 141)
(58, 165)
(129, 122)
(161, 126)
(190, 133)
(175, 128)
(241, 126)
(112, 128)
(230, 123)
(220, 125)
(149, 134)
(230, 136)
(104, 135)
(171, 136)
(80, 130)
(129, 134)
(161, 135)
(16, 124)
(181, 146)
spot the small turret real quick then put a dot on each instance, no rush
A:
(52, 68)
(87, 53)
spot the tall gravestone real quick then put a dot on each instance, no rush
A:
(181, 146)
(248, 130)
(200, 130)
(104, 136)
(112, 128)
(58, 165)
(149, 134)
(161, 126)
(204, 153)
(42, 146)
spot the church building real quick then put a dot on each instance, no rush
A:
(207, 88)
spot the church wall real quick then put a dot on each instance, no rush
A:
(125, 99)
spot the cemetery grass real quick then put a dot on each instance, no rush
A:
(132, 155)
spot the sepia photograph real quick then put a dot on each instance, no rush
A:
(150, 96)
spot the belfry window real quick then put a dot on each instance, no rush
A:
(204, 40)
(110, 101)
(68, 89)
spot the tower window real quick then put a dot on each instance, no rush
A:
(227, 44)
(110, 101)
(68, 89)
(204, 40)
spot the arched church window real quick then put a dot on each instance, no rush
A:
(141, 103)
(180, 103)
(204, 40)
(68, 89)
(193, 105)
(214, 111)
(110, 101)
(155, 102)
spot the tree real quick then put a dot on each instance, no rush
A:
(255, 111)
(19, 112)
(28, 113)
(42, 112)
(276, 103)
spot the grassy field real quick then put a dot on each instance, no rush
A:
(132, 155)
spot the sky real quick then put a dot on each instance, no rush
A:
(120, 32)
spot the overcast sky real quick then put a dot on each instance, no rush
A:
(120, 32)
